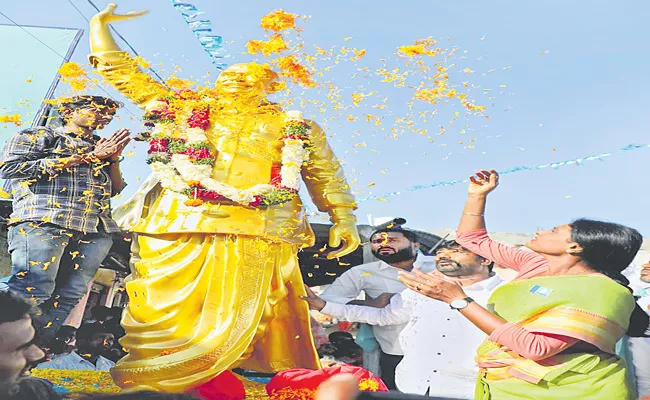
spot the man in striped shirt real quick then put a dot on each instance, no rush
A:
(61, 228)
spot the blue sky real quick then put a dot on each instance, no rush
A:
(587, 95)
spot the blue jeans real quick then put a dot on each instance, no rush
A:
(53, 265)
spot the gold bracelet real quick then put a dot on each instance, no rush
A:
(474, 215)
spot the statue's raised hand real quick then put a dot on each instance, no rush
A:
(108, 16)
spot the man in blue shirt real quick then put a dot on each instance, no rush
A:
(92, 340)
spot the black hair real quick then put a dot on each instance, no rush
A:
(88, 330)
(58, 344)
(14, 307)
(339, 336)
(76, 102)
(609, 248)
(450, 244)
(341, 345)
(410, 235)
(65, 330)
(327, 350)
(100, 313)
(99, 102)
(115, 312)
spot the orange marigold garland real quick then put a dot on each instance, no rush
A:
(293, 394)
(368, 385)
(78, 381)
(302, 384)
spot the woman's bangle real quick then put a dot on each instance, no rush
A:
(474, 215)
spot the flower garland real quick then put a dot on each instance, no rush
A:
(303, 384)
(76, 381)
(288, 393)
(181, 157)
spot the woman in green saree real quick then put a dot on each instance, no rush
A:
(553, 329)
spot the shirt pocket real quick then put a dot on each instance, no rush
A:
(22, 190)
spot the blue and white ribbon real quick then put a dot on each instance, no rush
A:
(576, 161)
(202, 28)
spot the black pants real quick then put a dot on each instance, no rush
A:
(388, 363)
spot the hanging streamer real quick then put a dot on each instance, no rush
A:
(202, 28)
(555, 165)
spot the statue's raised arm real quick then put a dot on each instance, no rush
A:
(117, 66)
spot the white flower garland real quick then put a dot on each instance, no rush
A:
(176, 174)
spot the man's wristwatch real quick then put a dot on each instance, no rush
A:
(461, 303)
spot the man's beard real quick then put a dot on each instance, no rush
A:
(452, 268)
(400, 255)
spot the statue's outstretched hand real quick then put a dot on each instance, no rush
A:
(344, 231)
(108, 16)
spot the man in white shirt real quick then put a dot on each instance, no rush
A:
(397, 249)
(92, 340)
(439, 343)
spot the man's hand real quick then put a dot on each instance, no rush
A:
(432, 285)
(118, 153)
(315, 302)
(108, 16)
(645, 272)
(344, 231)
(338, 387)
(112, 147)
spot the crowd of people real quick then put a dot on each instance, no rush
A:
(445, 324)
(567, 325)
(94, 346)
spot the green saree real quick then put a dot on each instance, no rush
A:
(591, 308)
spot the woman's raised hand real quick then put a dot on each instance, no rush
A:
(483, 182)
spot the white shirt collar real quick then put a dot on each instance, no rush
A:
(486, 284)
(80, 359)
(417, 264)
(421, 259)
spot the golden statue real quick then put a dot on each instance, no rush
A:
(218, 286)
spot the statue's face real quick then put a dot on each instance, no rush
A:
(245, 80)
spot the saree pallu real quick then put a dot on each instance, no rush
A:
(200, 304)
(593, 309)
